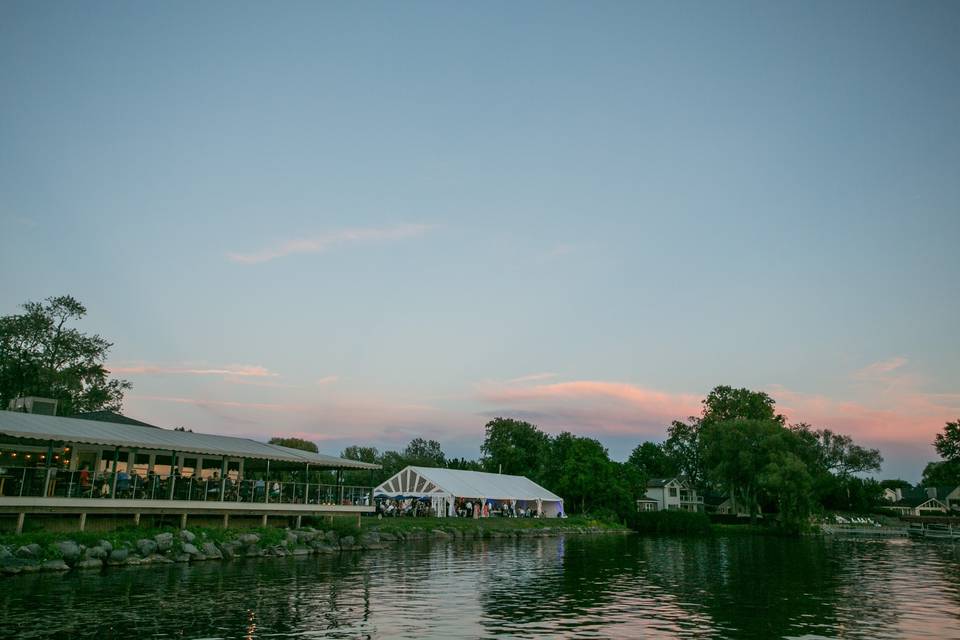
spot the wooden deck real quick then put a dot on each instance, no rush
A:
(21, 506)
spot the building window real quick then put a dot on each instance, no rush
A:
(673, 492)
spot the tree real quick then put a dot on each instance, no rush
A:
(683, 448)
(941, 474)
(41, 355)
(737, 452)
(424, 453)
(361, 454)
(947, 443)
(726, 403)
(652, 460)
(295, 443)
(787, 481)
(579, 470)
(514, 447)
(464, 465)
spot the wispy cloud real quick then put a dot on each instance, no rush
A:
(327, 380)
(880, 368)
(232, 370)
(533, 377)
(324, 241)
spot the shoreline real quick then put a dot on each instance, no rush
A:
(55, 552)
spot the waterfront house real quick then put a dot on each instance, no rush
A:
(443, 489)
(950, 496)
(670, 494)
(917, 502)
(125, 468)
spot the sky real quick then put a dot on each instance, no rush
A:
(361, 223)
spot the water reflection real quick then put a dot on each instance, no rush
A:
(574, 587)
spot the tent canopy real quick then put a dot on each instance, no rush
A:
(430, 481)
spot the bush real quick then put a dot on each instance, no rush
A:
(685, 522)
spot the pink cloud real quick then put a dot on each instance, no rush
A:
(322, 242)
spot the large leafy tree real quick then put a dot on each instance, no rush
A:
(684, 449)
(738, 452)
(652, 460)
(515, 447)
(295, 443)
(424, 453)
(42, 354)
(947, 443)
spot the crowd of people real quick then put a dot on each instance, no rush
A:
(462, 508)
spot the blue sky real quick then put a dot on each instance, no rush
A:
(373, 222)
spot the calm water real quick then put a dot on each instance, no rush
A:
(630, 587)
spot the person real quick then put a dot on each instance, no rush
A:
(469, 508)
(85, 479)
(486, 509)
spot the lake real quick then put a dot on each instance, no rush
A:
(577, 586)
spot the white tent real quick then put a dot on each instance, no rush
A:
(443, 486)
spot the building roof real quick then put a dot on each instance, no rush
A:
(426, 481)
(112, 416)
(661, 482)
(112, 434)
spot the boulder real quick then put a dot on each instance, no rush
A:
(4, 552)
(118, 556)
(55, 565)
(105, 544)
(346, 543)
(320, 546)
(164, 541)
(95, 553)
(29, 551)
(291, 539)
(146, 547)
(386, 537)
(181, 557)
(90, 563)
(230, 550)
(304, 537)
(189, 549)
(133, 561)
(300, 551)
(249, 539)
(439, 534)
(370, 540)
(158, 559)
(69, 551)
(332, 538)
(187, 536)
(211, 551)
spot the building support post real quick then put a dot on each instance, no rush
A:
(20, 518)
(136, 519)
(226, 520)
(299, 521)
(183, 520)
(266, 490)
(116, 459)
(223, 480)
(263, 520)
(83, 521)
(173, 477)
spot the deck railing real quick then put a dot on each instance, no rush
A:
(59, 483)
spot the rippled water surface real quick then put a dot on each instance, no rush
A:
(592, 587)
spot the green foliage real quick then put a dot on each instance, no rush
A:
(941, 474)
(295, 443)
(41, 355)
(514, 447)
(651, 459)
(897, 483)
(947, 443)
(424, 453)
(726, 403)
(677, 522)
(683, 448)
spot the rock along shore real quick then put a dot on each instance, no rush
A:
(184, 546)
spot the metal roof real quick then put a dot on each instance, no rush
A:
(40, 427)
(466, 484)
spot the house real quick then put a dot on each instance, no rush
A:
(918, 503)
(670, 494)
(892, 495)
(949, 496)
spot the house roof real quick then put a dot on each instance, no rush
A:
(113, 434)
(661, 482)
(424, 481)
(915, 499)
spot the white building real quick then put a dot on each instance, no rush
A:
(670, 494)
